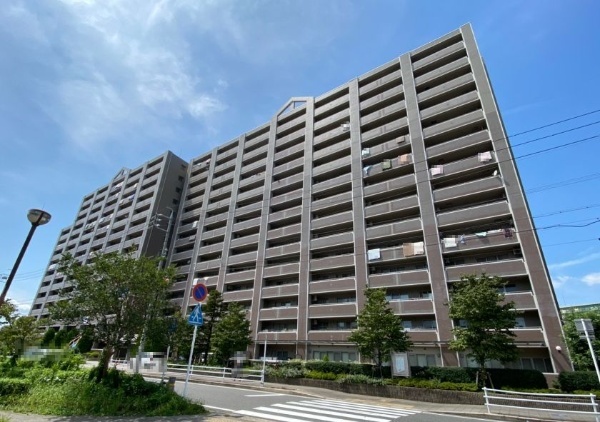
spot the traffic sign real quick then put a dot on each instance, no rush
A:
(196, 317)
(199, 292)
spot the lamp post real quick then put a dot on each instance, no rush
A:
(36, 218)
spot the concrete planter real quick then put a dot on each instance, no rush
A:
(389, 391)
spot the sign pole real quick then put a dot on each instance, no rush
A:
(187, 376)
(262, 378)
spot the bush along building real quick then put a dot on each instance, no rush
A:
(401, 179)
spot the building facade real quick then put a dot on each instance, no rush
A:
(129, 214)
(401, 179)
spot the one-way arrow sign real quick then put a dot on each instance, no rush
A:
(195, 317)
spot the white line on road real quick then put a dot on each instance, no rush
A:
(219, 408)
(269, 417)
(365, 410)
(266, 395)
(328, 412)
(302, 414)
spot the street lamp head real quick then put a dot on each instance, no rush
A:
(38, 217)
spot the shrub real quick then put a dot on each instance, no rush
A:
(284, 372)
(93, 354)
(579, 380)
(10, 386)
(317, 375)
(360, 379)
(435, 384)
(501, 377)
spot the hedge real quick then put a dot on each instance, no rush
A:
(579, 380)
(501, 377)
(9, 386)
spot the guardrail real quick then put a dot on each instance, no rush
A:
(238, 374)
(556, 406)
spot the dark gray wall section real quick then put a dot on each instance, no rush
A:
(435, 261)
(540, 282)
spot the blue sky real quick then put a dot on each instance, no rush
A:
(87, 87)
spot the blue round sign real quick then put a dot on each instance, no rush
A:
(199, 292)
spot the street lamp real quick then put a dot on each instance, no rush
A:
(36, 218)
(586, 331)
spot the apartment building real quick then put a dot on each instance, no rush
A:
(134, 212)
(400, 179)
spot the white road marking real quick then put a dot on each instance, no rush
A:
(328, 412)
(266, 395)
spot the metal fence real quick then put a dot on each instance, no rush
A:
(237, 374)
(569, 407)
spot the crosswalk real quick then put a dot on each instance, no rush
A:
(326, 411)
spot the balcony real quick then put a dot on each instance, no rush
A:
(508, 268)
(335, 148)
(457, 122)
(397, 183)
(247, 224)
(285, 214)
(180, 256)
(529, 335)
(331, 262)
(397, 126)
(392, 95)
(412, 307)
(279, 313)
(241, 211)
(280, 291)
(293, 150)
(393, 206)
(329, 335)
(281, 270)
(391, 79)
(285, 141)
(254, 141)
(406, 278)
(462, 166)
(242, 258)
(394, 229)
(479, 212)
(424, 336)
(254, 155)
(208, 265)
(284, 231)
(276, 251)
(431, 59)
(332, 241)
(522, 300)
(337, 285)
(333, 310)
(335, 119)
(238, 295)
(222, 168)
(474, 142)
(331, 183)
(331, 220)
(288, 167)
(247, 275)
(430, 95)
(470, 99)
(243, 241)
(331, 201)
(464, 189)
(292, 124)
(344, 99)
(256, 193)
(210, 249)
(439, 72)
(493, 238)
(288, 197)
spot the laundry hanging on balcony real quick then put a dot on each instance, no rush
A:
(365, 152)
(386, 164)
(374, 254)
(484, 157)
(419, 248)
(405, 158)
(437, 170)
(450, 242)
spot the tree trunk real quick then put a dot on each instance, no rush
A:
(103, 363)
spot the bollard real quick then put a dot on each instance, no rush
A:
(171, 383)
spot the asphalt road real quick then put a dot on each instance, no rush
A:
(259, 405)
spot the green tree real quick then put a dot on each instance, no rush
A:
(114, 295)
(483, 321)
(380, 331)
(48, 338)
(230, 334)
(16, 331)
(578, 347)
(63, 337)
(212, 312)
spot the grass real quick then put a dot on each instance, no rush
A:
(4, 419)
(75, 393)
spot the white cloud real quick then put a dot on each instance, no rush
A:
(575, 262)
(560, 280)
(591, 279)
